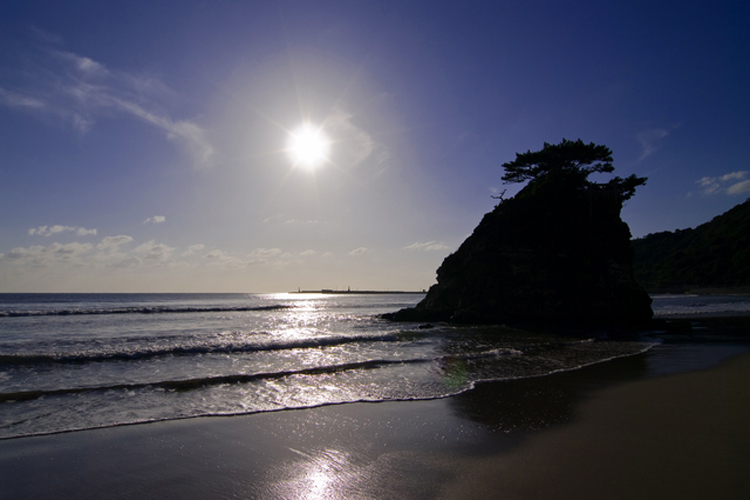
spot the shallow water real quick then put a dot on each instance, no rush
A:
(79, 361)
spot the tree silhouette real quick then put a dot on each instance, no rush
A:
(571, 162)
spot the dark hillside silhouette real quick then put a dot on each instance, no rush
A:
(714, 254)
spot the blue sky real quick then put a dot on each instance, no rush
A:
(143, 143)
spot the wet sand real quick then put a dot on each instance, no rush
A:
(599, 432)
(683, 436)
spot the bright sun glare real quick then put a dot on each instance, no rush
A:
(308, 146)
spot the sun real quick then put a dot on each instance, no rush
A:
(308, 146)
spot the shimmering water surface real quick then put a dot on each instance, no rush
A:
(79, 361)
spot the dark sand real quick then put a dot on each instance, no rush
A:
(682, 436)
(597, 433)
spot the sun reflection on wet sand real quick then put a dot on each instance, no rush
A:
(328, 474)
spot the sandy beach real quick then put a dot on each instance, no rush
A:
(682, 436)
(598, 432)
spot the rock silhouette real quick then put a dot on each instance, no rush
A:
(557, 252)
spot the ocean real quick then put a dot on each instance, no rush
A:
(81, 361)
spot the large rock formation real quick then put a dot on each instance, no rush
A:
(558, 252)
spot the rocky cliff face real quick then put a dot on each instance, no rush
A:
(556, 252)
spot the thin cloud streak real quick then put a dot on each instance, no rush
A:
(732, 183)
(156, 219)
(78, 90)
(357, 144)
(112, 243)
(739, 188)
(57, 229)
(192, 135)
(648, 139)
(121, 255)
(427, 246)
(15, 100)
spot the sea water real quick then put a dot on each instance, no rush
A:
(80, 361)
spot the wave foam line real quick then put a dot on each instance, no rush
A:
(197, 383)
(33, 359)
(141, 310)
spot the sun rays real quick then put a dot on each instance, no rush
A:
(308, 146)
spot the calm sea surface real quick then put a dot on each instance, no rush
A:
(80, 361)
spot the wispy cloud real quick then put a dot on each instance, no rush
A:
(87, 67)
(76, 255)
(56, 229)
(259, 257)
(220, 258)
(156, 219)
(358, 251)
(264, 255)
(44, 36)
(299, 221)
(185, 131)
(287, 220)
(15, 100)
(427, 246)
(731, 183)
(121, 252)
(112, 243)
(126, 262)
(740, 187)
(154, 251)
(649, 139)
(45, 256)
(353, 145)
(79, 90)
(192, 250)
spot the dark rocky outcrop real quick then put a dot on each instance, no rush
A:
(558, 252)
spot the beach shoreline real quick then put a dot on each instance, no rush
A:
(609, 430)
(679, 436)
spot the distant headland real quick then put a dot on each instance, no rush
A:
(711, 258)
